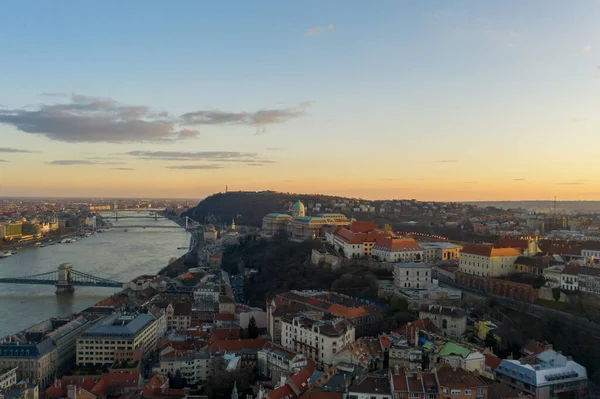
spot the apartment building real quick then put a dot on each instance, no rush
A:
(8, 378)
(358, 239)
(414, 385)
(590, 249)
(457, 383)
(316, 339)
(371, 386)
(275, 361)
(118, 337)
(451, 321)
(193, 365)
(40, 352)
(487, 260)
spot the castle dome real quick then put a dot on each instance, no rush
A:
(298, 209)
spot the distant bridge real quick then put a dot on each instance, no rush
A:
(64, 279)
(190, 224)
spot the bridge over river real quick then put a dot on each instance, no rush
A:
(64, 279)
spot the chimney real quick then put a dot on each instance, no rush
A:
(72, 392)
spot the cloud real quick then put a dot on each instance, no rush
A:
(257, 119)
(228, 156)
(575, 183)
(586, 49)
(67, 162)
(188, 133)
(3, 160)
(47, 94)
(320, 30)
(518, 179)
(260, 131)
(195, 167)
(15, 150)
(447, 161)
(121, 169)
(92, 119)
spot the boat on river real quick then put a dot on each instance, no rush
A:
(5, 254)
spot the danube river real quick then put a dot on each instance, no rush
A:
(115, 254)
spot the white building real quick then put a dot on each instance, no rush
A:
(275, 361)
(440, 251)
(449, 320)
(316, 339)
(193, 365)
(549, 375)
(397, 250)
(118, 337)
(8, 378)
(207, 292)
(371, 386)
(358, 239)
(552, 275)
(412, 275)
(486, 260)
(569, 278)
(590, 249)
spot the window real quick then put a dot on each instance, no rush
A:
(444, 323)
(455, 392)
(467, 392)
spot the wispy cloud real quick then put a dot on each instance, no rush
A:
(50, 94)
(519, 179)
(586, 49)
(228, 156)
(258, 119)
(3, 160)
(573, 183)
(195, 167)
(92, 119)
(447, 161)
(15, 150)
(320, 30)
(67, 162)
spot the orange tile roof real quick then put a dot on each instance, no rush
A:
(351, 237)
(350, 313)
(490, 251)
(492, 361)
(397, 244)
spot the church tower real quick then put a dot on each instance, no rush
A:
(233, 224)
(234, 393)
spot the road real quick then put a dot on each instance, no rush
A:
(529, 308)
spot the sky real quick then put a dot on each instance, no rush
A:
(433, 100)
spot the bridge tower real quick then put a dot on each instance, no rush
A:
(186, 222)
(64, 283)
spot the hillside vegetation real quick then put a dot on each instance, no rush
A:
(248, 208)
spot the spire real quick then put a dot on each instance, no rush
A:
(234, 393)
(233, 224)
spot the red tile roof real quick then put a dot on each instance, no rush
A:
(397, 244)
(409, 329)
(218, 334)
(492, 361)
(511, 242)
(363, 226)
(237, 345)
(351, 237)
(350, 313)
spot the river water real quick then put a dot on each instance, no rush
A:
(114, 254)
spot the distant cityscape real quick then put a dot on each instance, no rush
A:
(189, 331)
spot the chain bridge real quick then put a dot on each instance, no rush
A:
(65, 279)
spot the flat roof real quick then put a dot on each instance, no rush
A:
(119, 325)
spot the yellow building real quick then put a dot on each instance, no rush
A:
(483, 327)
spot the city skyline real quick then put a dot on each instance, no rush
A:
(439, 101)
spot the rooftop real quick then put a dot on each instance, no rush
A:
(120, 325)
(372, 385)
